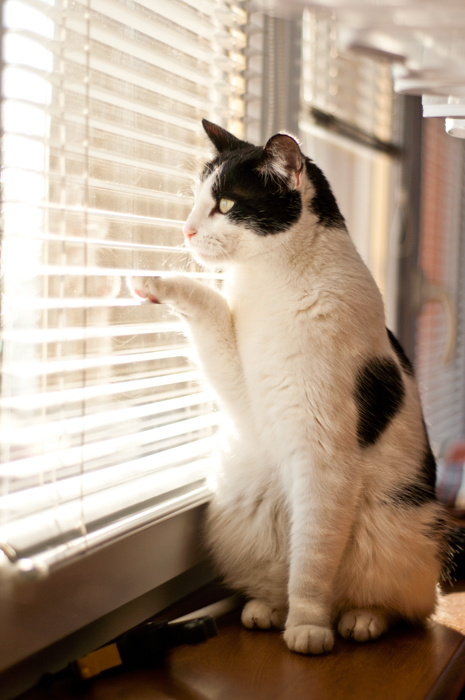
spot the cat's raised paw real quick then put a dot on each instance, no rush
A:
(148, 288)
(176, 290)
(309, 639)
(256, 613)
(362, 625)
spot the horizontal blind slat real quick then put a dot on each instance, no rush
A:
(56, 398)
(63, 519)
(50, 270)
(33, 500)
(91, 422)
(102, 243)
(55, 335)
(41, 369)
(54, 461)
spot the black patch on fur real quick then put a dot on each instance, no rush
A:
(450, 547)
(208, 169)
(401, 356)
(428, 467)
(413, 495)
(379, 393)
(453, 554)
(423, 489)
(260, 202)
(222, 140)
(263, 203)
(323, 204)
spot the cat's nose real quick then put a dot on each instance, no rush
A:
(189, 231)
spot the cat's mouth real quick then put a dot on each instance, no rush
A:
(209, 258)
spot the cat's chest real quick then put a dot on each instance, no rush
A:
(261, 314)
(276, 333)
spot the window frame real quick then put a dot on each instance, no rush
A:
(87, 610)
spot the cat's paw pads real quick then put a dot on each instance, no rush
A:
(179, 291)
(309, 639)
(362, 625)
(147, 288)
(256, 613)
(162, 290)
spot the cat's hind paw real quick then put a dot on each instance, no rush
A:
(309, 639)
(363, 625)
(256, 613)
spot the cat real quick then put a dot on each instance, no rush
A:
(324, 512)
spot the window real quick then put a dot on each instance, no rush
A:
(104, 425)
(105, 428)
(349, 118)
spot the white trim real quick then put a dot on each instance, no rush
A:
(444, 110)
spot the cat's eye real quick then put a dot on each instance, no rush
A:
(226, 205)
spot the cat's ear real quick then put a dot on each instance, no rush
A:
(282, 160)
(220, 138)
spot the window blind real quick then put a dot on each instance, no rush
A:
(104, 424)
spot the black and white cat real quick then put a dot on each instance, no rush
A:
(324, 512)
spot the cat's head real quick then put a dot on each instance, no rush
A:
(249, 197)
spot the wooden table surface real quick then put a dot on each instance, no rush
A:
(406, 664)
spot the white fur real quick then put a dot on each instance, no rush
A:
(299, 520)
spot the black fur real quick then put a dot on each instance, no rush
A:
(423, 489)
(453, 553)
(428, 467)
(209, 168)
(260, 203)
(413, 495)
(379, 393)
(222, 140)
(401, 356)
(323, 204)
(450, 549)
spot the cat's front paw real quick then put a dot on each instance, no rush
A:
(188, 296)
(309, 639)
(154, 289)
(256, 613)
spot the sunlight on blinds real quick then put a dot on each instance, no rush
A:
(104, 425)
